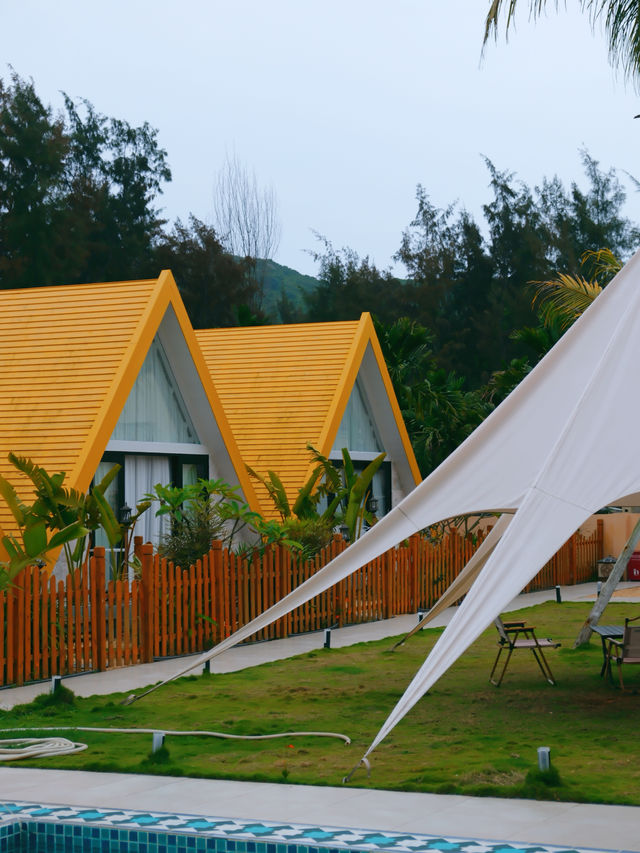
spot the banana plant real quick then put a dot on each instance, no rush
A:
(346, 490)
(275, 488)
(58, 517)
(358, 487)
(199, 513)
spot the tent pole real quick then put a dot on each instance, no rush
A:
(607, 590)
(462, 583)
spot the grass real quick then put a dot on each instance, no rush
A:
(464, 737)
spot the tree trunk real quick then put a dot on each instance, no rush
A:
(607, 590)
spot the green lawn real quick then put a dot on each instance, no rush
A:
(465, 737)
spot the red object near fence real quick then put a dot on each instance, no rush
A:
(633, 567)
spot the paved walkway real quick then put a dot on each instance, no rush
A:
(567, 824)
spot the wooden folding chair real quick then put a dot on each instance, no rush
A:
(626, 650)
(519, 635)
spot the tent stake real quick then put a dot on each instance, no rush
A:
(607, 590)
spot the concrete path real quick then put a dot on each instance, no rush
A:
(568, 824)
(132, 678)
(563, 824)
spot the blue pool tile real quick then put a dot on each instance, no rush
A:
(66, 829)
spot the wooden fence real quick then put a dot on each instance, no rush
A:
(54, 627)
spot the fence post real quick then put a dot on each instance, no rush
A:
(600, 539)
(98, 600)
(137, 547)
(388, 561)
(146, 609)
(19, 627)
(573, 544)
(336, 547)
(217, 598)
(284, 569)
(413, 592)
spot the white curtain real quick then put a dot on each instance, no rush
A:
(356, 431)
(155, 410)
(141, 473)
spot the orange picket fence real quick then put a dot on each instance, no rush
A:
(84, 623)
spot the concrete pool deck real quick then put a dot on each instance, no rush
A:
(564, 824)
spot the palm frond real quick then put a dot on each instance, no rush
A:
(493, 15)
(622, 27)
(563, 299)
(619, 18)
(330, 473)
(604, 263)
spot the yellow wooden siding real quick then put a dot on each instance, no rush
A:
(68, 359)
(277, 385)
(60, 351)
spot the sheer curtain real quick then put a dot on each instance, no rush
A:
(141, 473)
(155, 410)
(357, 431)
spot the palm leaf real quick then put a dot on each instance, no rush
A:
(620, 19)
(605, 264)
(11, 499)
(330, 511)
(358, 492)
(35, 539)
(12, 547)
(279, 495)
(108, 478)
(68, 534)
(26, 466)
(331, 473)
(70, 497)
(565, 298)
(275, 489)
(304, 505)
(349, 471)
(108, 520)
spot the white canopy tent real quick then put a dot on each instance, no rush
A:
(555, 451)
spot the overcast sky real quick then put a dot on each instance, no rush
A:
(342, 105)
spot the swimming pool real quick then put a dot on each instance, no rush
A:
(54, 829)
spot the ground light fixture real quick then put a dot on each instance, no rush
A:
(544, 761)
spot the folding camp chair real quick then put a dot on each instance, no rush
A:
(519, 635)
(626, 650)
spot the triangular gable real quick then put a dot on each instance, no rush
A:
(365, 371)
(70, 356)
(285, 386)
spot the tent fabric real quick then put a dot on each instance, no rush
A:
(462, 583)
(555, 451)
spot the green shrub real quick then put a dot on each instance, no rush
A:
(313, 534)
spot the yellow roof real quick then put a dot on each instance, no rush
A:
(69, 357)
(283, 387)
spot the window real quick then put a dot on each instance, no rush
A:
(138, 474)
(357, 430)
(155, 410)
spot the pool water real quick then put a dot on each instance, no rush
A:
(70, 829)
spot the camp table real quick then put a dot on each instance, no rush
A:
(607, 632)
